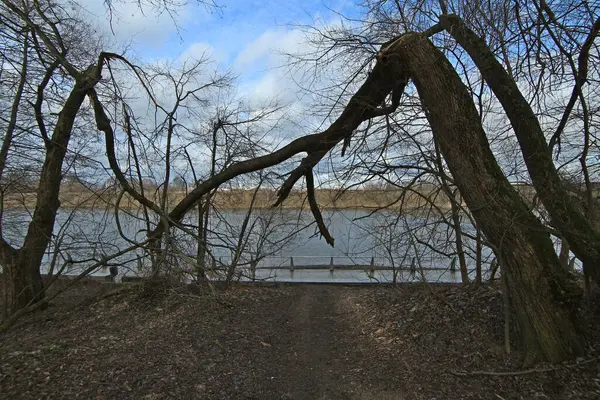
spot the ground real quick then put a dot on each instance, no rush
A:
(278, 342)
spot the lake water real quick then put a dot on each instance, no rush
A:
(278, 236)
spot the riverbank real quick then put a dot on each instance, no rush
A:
(240, 199)
(419, 197)
(277, 342)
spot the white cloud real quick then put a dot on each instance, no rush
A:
(267, 73)
(264, 46)
(268, 49)
(145, 26)
(200, 51)
(261, 66)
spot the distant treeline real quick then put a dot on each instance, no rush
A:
(416, 197)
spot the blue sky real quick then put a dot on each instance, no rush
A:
(244, 37)
(241, 36)
(226, 31)
(238, 23)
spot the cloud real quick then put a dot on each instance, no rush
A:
(262, 62)
(267, 72)
(264, 46)
(198, 51)
(145, 28)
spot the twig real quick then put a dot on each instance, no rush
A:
(426, 282)
(523, 372)
(503, 373)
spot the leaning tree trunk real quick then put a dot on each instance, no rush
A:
(201, 243)
(540, 290)
(23, 280)
(564, 212)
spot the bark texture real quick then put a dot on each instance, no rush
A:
(540, 290)
(23, 280)
(564, 212)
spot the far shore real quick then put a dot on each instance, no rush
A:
(241, 199)
(418, 198)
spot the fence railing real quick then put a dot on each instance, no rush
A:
(371, 266)
(282, 268)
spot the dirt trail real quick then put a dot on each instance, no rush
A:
(291, 342)
(295, 342)
(315, 339)
(313, 351)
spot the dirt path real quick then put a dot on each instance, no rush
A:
(315, 339)
(312, 350)
(292, 342)
(300, 342)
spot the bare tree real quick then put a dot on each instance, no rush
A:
(525, 250)
(195, 130)
(544, 298)
(49, 32)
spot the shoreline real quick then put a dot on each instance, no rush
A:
(240, 200)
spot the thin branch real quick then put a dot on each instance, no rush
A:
(523, 372)
(314, 207)
(37, 107)
(103, 124)
(580, 80)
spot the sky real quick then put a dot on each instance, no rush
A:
(246, 37)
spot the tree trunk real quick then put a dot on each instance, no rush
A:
(200, 245)
(22, 267)
(478, 255)
(23, 287)
(540, 290)
(565, 214)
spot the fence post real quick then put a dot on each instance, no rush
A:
(372, 270)
(291, 264)
(453, 266)
(331, 265)
(253, 270)
(493, 269)
(572, 264)
(413, 267)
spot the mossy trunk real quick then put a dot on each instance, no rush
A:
(541, 291)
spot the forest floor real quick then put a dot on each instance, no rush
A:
(279, 342)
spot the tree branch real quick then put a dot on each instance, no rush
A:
(580, 80)
(314, 207)
(37, 107)
(103, 124)
(372, 93)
